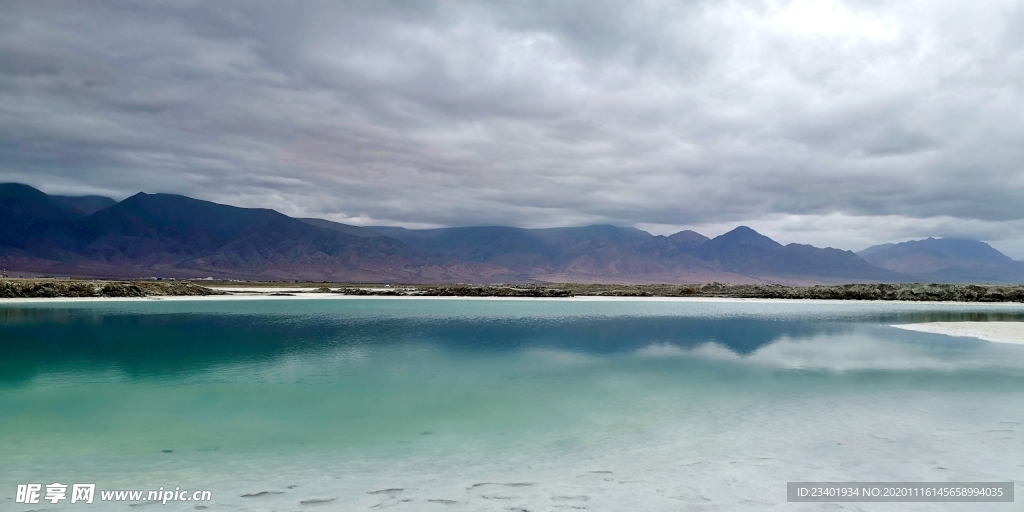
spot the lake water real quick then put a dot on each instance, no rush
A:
(488, 404)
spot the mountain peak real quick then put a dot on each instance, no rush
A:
(21, 191)
(945, 259)
(741, 249)
(965, 250)
(746, 236)
(688, 237)
(183, 233)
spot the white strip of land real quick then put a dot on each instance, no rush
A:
(999, 332)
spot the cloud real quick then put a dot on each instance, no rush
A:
(845, 353)
(804, 119)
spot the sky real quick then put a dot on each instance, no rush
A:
(841, 124)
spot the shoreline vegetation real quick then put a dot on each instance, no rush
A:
(73, 288)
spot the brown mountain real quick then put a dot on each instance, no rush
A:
(163, 234)
(748, 252)
(177, 236)
(952, 260)
(614, 254)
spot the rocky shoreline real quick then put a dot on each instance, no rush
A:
(895, 292)
(919, 292)
(38, 288)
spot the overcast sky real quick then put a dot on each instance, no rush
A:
(840, 124)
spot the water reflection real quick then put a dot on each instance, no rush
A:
(38, 340)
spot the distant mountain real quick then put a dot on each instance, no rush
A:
(741, 249)
(177, 236)
(946, 260)
(688, 238)
(32, 222)
(746, 251)
(85, 204)
(583, 252)
(497, 244)
(341, 228)
(800, 259)
(741, 255)
(199, 234)
(164, 234)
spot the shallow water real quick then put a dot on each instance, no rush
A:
(470, 404)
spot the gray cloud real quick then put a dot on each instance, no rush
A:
(829, 122)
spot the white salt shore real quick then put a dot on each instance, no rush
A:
(999, 332)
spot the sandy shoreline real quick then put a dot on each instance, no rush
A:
(999, 332)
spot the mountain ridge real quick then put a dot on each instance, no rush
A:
(945, 260)
(86, 204)
(175, 235)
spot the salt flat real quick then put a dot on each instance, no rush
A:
(1000, 332)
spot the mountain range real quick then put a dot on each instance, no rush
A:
(946, 260)
(149, 235)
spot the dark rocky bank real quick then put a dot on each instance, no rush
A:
(43, 288)
(40, 288)
(898, 292)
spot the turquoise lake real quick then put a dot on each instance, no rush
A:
(506, 405)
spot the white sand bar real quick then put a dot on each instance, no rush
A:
(1000, 332)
